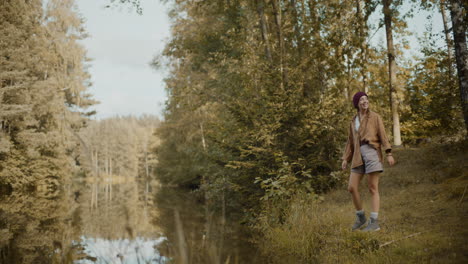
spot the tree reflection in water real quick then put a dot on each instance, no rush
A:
(67, 227)
(36, 228)
(197, 234)
(117, 227)
(83, 223)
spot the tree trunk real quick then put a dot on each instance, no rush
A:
(110, 175)
(347, 87)
(263, 29)
(146, 164)
(181, 242)
(297, 28)
(203, 136)
(392, 72)
(279, 32)
(461, 53)
(447, 37)
(363, 42)
(96, 165)
(96, 198)
(92, 196)
(298, 32)
(318, 65)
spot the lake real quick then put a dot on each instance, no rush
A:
(124, 222)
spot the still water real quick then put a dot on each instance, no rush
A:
(129, 222)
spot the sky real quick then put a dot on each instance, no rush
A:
(122, 43)
(417, 25)
(121, 46)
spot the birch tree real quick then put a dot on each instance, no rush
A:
(392, 68)
(458, 12)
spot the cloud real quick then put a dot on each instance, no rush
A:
(132, 52)
(122, 90)
(122, 44)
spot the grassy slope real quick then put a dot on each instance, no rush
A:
(421, 193)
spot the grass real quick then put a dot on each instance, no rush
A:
(423, 216)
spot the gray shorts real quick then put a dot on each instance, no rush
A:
(370, 159)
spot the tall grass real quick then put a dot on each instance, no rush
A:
(423, 216)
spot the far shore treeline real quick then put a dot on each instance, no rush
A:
(47, 135)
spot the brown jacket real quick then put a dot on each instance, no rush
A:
(372, 131)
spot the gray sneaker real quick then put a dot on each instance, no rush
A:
(360, 221)
(372, 226)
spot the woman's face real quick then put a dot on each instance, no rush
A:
(363, 103)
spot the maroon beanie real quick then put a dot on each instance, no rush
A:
(356, 98)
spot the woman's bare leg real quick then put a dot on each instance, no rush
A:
(373, 184)
(353, 188)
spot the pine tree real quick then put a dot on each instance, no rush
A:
(41, 87)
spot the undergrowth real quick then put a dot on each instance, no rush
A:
(422, 217)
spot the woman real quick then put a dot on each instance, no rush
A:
(363, 150)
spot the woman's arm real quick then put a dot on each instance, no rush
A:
(384, 141)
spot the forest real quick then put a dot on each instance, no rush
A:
(260, 91)
(257, 115)
(47, 130)
(260, 98)
(49, 141)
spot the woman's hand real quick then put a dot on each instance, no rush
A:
(344, 165)
(390, 160)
